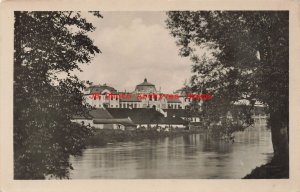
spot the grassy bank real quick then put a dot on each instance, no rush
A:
(103, 137)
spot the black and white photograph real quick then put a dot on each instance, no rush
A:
(151, 95)
(161, 96)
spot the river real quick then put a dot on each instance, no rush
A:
(195, 156)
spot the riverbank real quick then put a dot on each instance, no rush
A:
(102, 137)
(271, 170)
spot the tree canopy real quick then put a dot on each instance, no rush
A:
(248, 59)
(47, 44)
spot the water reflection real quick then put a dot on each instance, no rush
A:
(195, 156)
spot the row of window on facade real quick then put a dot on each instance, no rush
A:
(137, 105)
(154, 98)
(104, 97)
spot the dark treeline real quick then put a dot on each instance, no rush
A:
(247, 58)
(44, 46)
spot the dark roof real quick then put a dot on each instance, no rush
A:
(145, 83)
(100, 114)
(145, 87)
(137, 115)
(181, 113)
(95, 114)
(173, 120)
(100, 88)
(144, 116)
(81, 117)
(119, 112)
(124, 121)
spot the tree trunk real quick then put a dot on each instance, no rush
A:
(280, 138)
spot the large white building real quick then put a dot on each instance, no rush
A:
(145, 95)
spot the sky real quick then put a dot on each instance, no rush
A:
(134, 46)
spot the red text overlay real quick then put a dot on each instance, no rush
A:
(154, 96)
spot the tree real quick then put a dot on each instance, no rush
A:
(249, 59)
(48, 45)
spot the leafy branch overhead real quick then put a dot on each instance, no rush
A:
(248, 58)
(47, 43)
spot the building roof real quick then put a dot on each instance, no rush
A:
(145, 87)
(95, 114)
(82, 117)
(145, 116)
(100, 114)
(173, 121)
(119, 112)
(100, 88)
(122, 121)
(137, 115)
(131, 117)
(181, 113)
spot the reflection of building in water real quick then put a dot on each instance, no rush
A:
(133, 99)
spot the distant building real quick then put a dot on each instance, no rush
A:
(125, 118)
(102, 119)
(148, 118)
(132, 109)
(97, 96)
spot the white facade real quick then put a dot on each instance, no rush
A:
(103, 96)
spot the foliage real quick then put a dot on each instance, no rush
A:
(248, 60)
(46, 45)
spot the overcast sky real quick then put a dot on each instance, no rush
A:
(136, 45)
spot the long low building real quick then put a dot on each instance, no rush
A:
(148, 118)
(124, 118)
(102, 119)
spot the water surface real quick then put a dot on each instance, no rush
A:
(196, 156)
